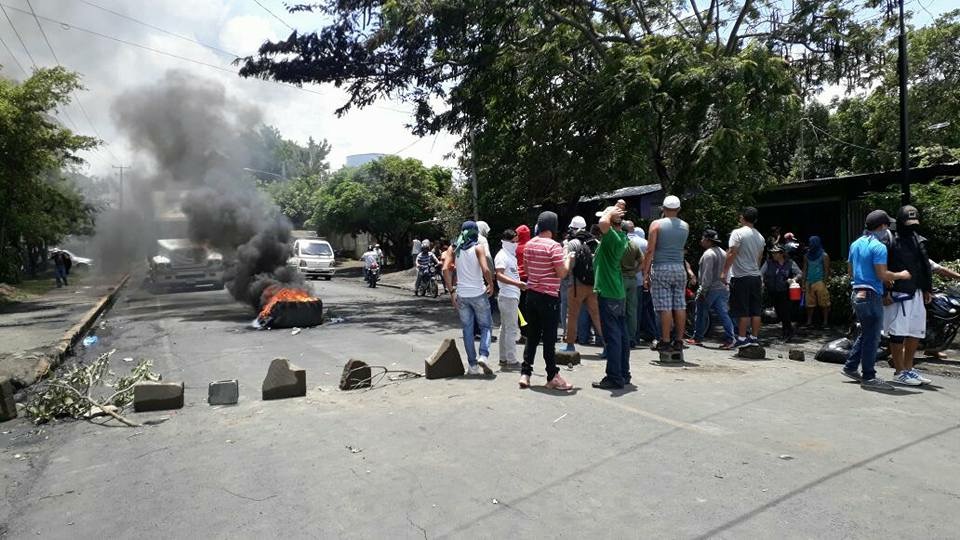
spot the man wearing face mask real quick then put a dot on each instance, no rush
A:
(867, 267)
(904, 312)
(508, 274)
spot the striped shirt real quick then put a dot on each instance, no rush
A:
(541, 257)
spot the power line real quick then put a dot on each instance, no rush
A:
(274, 15)
(157, 28)
(10, 52)
(19, 38)
(68, 26)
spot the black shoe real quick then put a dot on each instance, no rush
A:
(606, 384)
(663, 346)
(677, 346)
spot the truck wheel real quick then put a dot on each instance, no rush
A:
(327, 278)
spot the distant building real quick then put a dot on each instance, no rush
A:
(357, 160)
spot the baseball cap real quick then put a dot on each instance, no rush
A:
(776, 249)
(578, 223)
(711, 235)
(876, 219)
(671, 202)
(909, 215)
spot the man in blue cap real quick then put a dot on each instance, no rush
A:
(470, 295)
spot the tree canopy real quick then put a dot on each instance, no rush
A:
(37, 205)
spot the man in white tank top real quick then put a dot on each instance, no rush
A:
(470, 295)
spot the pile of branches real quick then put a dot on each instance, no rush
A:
(87, 391)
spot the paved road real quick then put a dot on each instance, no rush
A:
(727, 449)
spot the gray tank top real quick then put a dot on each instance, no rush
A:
(670, 241)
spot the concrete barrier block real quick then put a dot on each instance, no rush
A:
(157, 396)
(356, 375)
(284, 380)
(797, 354)
(565, 358)
(752, 353)
(8, 407)
(446, 362)
(223, 392)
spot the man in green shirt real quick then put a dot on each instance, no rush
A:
(608, 284)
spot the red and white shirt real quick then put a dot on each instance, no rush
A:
(541, 256)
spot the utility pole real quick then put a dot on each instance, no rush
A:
(121, 167)
(473, 177)
(904, 145)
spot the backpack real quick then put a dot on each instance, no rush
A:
(583, 263)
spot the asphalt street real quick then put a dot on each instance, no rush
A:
(722, 448)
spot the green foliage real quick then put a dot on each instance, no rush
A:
(939, 283)
(939, 220)
(72, 393)
(37, 207)
(272, 158)
(297, 198)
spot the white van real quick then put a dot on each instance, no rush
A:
(313, 257)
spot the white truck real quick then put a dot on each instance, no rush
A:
(177, 262)
(313, 257)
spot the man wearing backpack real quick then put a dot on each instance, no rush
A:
(580, 290)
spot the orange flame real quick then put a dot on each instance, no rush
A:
(277, 293)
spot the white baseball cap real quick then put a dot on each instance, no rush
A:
(578, 223)
(671, 202)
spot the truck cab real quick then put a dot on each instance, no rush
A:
(313, 257)
(182, 264)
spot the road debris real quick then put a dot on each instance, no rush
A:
(128, 359)
(90, 341)
(561, 417)
(786, 457)
(296, 331)
(494, 501)
(354, 450)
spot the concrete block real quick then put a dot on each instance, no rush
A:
(223, 392)
(671, 357)
(752, 353)
(8, 407)
(284, 380)
(446, 362)
(356, 375)
(157, 396)
(797, 354)
(565, 358)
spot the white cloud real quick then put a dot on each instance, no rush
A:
(244, 34)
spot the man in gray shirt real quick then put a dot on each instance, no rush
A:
(742, 269)
(713, 294)
(667, 281)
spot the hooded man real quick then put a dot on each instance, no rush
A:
(470, 296)
(523, 236)
(904, 312)
(509, 298)
(546, 266)
(816, 272)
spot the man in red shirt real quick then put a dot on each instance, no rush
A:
(545, 266)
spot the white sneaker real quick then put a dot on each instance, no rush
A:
(904, 378)
(916, 375)
(482, 362)
(474, 370)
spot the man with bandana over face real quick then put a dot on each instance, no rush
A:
(471, 293)
(509, 298)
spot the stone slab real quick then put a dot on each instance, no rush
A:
(223, 392)
(752, 353)
(8, 407)
(446, 362)
(671, 357)
(157, 396)
(284, 380)
(565, 358)
(356, 375)
(797, 354)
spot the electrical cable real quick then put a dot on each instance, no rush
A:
(10, 52)
(19, 38)
(283, 22)
(157, 28)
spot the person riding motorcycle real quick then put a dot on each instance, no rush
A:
(427, 262)
(369, 258)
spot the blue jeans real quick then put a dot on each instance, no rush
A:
(475, 310)
(562, 323)
(649, 322)
(869, 310)
(613, 320)
(61, 272)
(633, 309)
(718, 302)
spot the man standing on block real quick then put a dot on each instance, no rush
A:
(867, 267)
(665, 275)
(471, 294)
(742, 269)
(546, 266)
(608, 285)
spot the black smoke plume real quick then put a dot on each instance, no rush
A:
(199, 140)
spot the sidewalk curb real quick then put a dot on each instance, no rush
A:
(64, 347)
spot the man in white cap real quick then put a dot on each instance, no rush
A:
(580, 289)
(577, 224)
(665, 274)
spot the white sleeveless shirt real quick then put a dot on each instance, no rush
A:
(469, 274)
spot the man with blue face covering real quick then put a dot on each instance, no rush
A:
(867, 266)
(470, 295)
(816, 272)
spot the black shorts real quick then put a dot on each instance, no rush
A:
(745, 296)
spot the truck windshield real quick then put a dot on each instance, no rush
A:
(315, 248)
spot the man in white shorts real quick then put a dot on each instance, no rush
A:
(904, 312)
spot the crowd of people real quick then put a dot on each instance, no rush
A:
(616, 284)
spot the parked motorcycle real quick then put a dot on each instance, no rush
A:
(426, 284)
(373, 275)
(943, 323)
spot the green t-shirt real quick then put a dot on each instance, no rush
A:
(607, 279)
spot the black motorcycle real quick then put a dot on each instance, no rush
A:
(426, 284)
(943, 323)
(373, 275)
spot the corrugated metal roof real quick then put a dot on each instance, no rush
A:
(634, 191)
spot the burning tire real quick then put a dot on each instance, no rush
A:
(286, 307)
